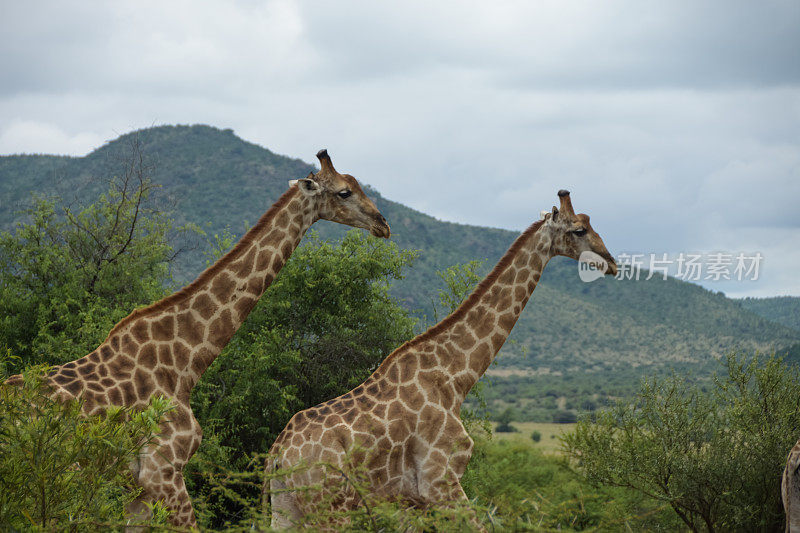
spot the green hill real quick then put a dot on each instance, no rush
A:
(217, 180)
(781, 309)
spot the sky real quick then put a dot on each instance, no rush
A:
(675, 124)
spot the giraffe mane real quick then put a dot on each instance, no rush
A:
(471, 300)
(234, 254)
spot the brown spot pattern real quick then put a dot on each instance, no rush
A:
(222, 329)
(222, 287)
(204, 305)
(164, 328)
(147, 356)
(189, 329)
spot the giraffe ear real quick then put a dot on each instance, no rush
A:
(307, 186)
(555, 213)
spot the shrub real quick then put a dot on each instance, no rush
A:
(331, 483)
(531, 491)
(62, 470)
(715, 457)
(504, 421)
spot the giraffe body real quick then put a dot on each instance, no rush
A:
(790, 490)
(164, 349)
(406, 415)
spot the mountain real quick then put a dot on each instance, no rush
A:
(217, 180)
(781, 309)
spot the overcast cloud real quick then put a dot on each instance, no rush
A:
(675, 124)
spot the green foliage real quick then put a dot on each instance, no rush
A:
(67, 275)
(716, 457)
(226, 498)
(459, 280)
(536, 436)
(512, 487)
(60, 470)
(529, 491)
(348, 480)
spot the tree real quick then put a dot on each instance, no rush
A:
(60, 470)
(504, 421)
(715, 457)
(68, 274)
(562, 416)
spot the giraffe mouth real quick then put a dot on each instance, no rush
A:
(382, 231)
(611, 270)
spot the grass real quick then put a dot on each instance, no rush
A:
(550, 432)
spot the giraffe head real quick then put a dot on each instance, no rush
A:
(340, 198)
(573, 235)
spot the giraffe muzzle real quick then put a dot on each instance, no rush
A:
(612, 266)
(381, 231)
(381, 227)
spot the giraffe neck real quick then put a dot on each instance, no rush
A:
(200, 319)
(466, 342)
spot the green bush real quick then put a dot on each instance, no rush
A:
(714, 456)
(526, 490)
(536, 436)
(504, 421)
(60, 470)
(372, 512)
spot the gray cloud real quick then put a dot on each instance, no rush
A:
(675, 124)
(547, 45)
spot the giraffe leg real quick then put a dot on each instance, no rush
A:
(285, 511)
(447, 492)
(137, 513)
(177, 501)
(439, 474)
(160, 474)
(180, 505)
(438, 483)
(289, 499)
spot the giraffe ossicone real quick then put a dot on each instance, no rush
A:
(406, 415)
(165, 348)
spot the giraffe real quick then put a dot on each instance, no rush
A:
(790, 490)
(165, 348)
(405, 416)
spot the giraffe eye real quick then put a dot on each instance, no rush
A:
(344, 194)
(579, 232)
